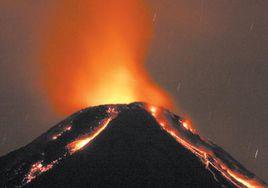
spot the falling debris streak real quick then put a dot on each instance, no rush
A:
(204, 149)
(251, 27)
(154, 18)
(256, 153)
(178, 87)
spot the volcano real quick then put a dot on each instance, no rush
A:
(126, 145)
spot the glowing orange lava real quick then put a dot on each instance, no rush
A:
(37, 169)
(204, 149)
(212, 156)
(187, 125)
(94, 52)
(68, 128)
(85, 140)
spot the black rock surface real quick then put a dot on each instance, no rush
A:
(132, 151)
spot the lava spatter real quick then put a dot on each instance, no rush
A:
(65, 129)
(37, 169)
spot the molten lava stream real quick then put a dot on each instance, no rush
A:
(183, 133)
(80, 143)
(39, 167)
(83, 141)
(99, 59)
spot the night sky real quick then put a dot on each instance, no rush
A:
(211, 56)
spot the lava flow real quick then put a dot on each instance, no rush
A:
(84, 140)
(81, 142)
(94, 54)
(39, 167)
(123, 139)
(209, 153)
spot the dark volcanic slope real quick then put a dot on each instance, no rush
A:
(132, 151)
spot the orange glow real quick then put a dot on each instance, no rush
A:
(250, 183)
(185, 124)
(56, 136)
(153, 109)
(37, 169)
(188, 125)
(80, 143)
(94, 52)
(203, 149)
(212, 156)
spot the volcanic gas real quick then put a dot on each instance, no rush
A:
(93, 53)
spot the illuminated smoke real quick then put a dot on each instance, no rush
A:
(94, 53)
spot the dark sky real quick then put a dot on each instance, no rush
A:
(210, 55)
